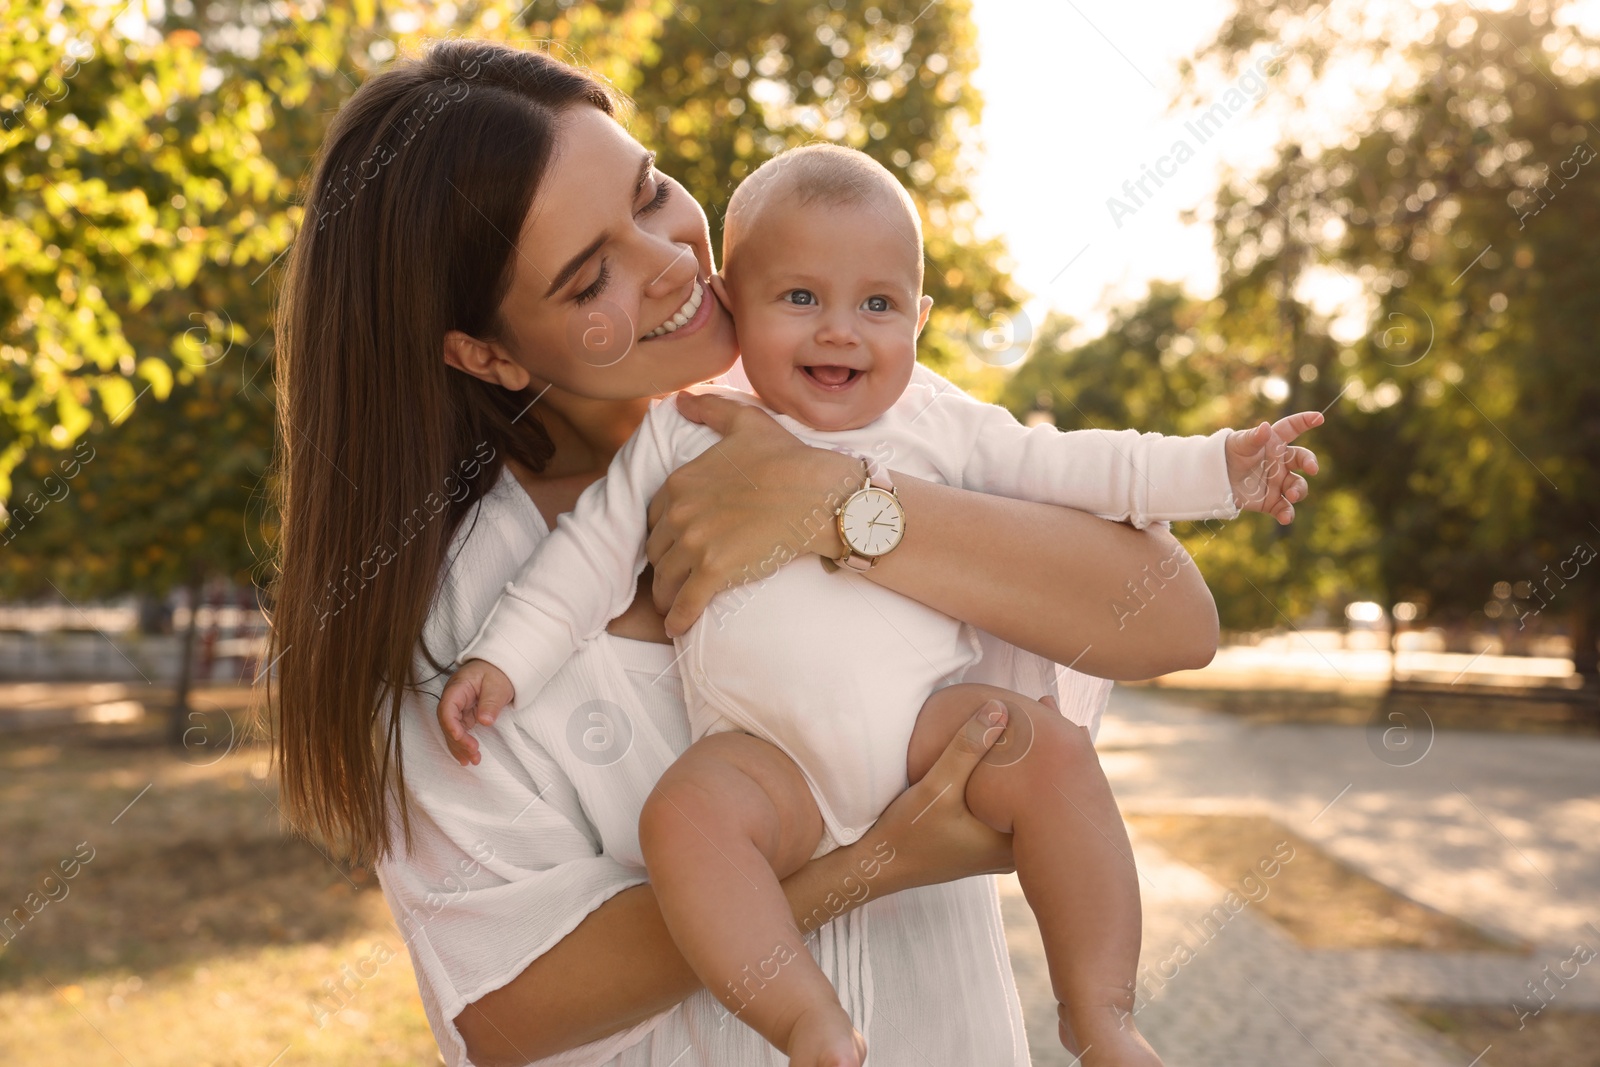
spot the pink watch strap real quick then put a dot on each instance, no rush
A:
(877, 473)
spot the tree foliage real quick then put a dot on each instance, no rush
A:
(1462, 456)
(151, 187)
(1174, 364)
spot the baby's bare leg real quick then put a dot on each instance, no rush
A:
(726, 822)
(1042, 783)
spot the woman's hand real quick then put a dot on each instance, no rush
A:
(929, 827)
(749, 504)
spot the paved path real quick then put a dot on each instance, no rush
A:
(1497, 829)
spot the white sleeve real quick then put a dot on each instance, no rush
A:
(1119, 474)
(584, 573)
(502, 864)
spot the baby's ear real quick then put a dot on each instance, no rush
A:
(720, 287)
(922, 313)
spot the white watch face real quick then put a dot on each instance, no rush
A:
(872, 522)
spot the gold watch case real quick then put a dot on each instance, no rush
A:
(871, 522)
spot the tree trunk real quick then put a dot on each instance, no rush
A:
(1394, 644)
(179, 724)
(1585, 654)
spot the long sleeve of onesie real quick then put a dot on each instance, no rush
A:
(1119, 474)
(585, 572)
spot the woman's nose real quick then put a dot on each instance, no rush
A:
(673, 272)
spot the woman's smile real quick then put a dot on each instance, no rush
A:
(688, 318)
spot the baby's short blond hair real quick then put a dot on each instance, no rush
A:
(826, 173)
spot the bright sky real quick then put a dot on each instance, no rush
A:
(1077, 96)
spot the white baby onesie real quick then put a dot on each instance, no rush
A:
(829, 666)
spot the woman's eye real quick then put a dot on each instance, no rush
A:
(663, 190)
(876, 303)
(801, 297)
(597, 287)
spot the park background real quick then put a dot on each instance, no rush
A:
(1167, 216)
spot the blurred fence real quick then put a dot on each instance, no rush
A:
(104, 643)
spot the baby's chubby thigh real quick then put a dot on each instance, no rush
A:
(1038, 749)
(726, 788)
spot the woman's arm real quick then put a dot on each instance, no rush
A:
(619, 966)
(1046, 579)
(1099, 596)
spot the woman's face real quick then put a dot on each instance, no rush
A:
(610, 297)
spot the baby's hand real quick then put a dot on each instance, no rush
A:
(1262, 466)
(478, 687)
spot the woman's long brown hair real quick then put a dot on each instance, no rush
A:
(419, 190)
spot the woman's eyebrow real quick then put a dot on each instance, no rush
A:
(575, 264)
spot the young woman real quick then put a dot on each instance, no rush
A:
(478, 229)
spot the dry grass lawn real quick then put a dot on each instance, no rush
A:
(1573, 717)
(199, 933)
(1553, 1037)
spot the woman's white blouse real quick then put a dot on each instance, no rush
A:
(509, 856)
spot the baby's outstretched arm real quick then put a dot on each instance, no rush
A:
(475, 693)
(1123, 475)
(1266, 470)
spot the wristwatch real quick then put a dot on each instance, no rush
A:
(871, 521)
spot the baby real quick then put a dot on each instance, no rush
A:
(810, 696)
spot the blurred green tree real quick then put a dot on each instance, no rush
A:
(1174, 364)
(1461, 204)
(151, 172)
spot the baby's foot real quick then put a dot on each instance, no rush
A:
(1115, 1047)
(824, 1037)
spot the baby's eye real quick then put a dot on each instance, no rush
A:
(801, 297)
(875, 303)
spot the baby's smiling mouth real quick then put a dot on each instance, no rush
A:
(830, 376)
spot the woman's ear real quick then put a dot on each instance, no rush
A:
(925, 306)
(484, 360)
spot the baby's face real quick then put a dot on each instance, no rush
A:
(827, 303)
